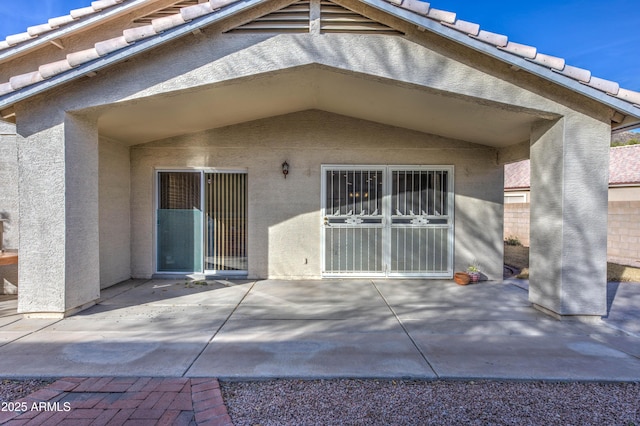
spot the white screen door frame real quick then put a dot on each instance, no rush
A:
(387, 221)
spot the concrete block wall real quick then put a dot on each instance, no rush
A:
(623, 239)
(516, 222)
(623, 244)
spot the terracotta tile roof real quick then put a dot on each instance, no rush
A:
(102, 48)
(624, 169)
(188, 13)
(530, 53)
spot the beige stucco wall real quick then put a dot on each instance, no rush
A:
(284, 235)
(9, 208)
(114, 202)
(9, 187)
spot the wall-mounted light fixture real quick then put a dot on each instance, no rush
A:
(285, 169)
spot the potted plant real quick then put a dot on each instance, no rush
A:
(474, 272)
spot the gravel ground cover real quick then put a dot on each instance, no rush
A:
(13, 390)
(375, 402)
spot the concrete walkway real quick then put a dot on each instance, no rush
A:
(323, 329)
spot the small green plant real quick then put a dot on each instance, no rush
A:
(474, 267)
(512, 241)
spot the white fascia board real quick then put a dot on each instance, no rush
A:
(546, 73)
(126, 53)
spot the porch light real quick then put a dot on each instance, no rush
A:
(285, 169)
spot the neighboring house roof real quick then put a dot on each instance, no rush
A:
(624, 165)
(517, 175)
(624, 169)
(197, 14)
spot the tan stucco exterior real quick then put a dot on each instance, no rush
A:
(284, 214)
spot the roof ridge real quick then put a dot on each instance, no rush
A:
(57, 22)
(529, 53)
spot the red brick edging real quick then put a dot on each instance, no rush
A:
(119, 400)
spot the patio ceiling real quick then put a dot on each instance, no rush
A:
(355, 95)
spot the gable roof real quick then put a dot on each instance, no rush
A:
(200, 13)
(624, 169)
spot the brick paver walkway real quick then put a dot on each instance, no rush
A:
(122, 401)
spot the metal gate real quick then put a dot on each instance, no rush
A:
(388, 221)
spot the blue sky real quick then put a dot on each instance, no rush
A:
(602, 36)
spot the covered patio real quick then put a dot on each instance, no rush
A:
(428, 106)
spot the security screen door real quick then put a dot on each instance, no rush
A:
(201, 222)
(388, 221)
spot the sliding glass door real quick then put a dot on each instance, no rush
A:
(226, 213)
(201, 222)
(179, 218)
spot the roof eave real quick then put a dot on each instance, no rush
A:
(423, 22)
(69, 29)
(126, 53)
(516, 61)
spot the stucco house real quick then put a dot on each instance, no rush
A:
(151, 138)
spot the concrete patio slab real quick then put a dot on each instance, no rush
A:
(173, 293)
(56, 354)
(323, 329)
(319, 355)
(312, 311)
(526, 358)
(475, 327)
(446, 293)
(147, 318)
(353, 293)
(9, 319)
(626, 344)
(242, 326)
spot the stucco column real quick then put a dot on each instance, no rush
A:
(569, 184)
(59, 253)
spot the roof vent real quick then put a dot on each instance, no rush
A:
(334, 18)
(293, 18)
(338, 19)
